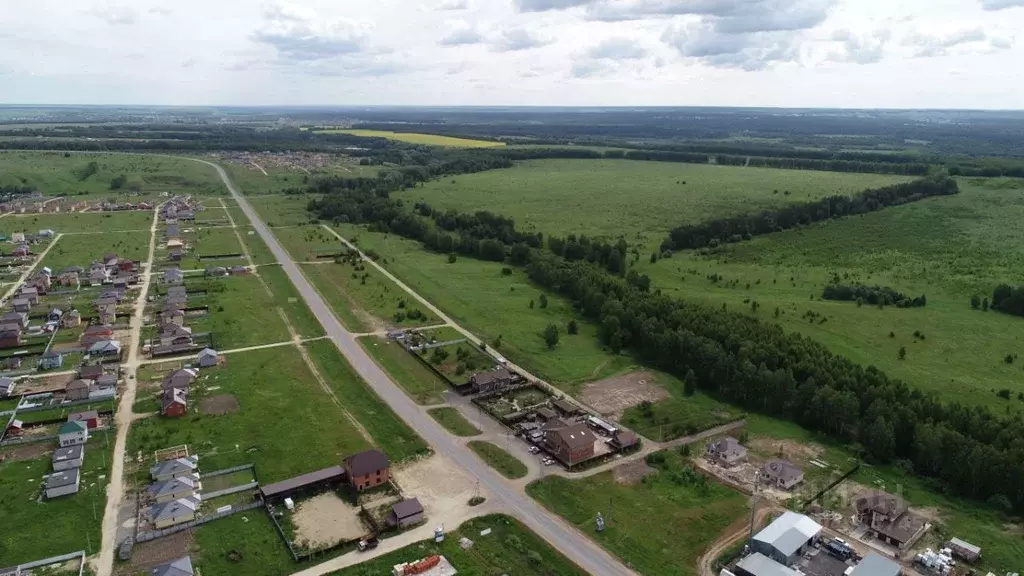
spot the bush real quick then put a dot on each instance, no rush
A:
(1004, 394)
(476, 500)
(452, 258)
(572, 328)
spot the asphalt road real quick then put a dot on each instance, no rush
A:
(563, 537)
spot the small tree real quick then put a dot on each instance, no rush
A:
(654, 257)
(975, 302)
(531, 304)
(984, 305)
(572, 328)
(497, 342)
(452, 258)
(689, 383)
(551, 336)
(903, 352)
(543, 301)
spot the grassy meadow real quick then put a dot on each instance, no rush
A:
(77, 222)
(453, 421)
(67, 174)
(282, 209)
(416, 138)
(640, 201)
(365, 300)
(81, 250)
(504, 463)
(417, 380)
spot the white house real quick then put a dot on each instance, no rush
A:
(73, 433)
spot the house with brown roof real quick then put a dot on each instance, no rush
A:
(406, 513)
(174, 316)
(782, 474)
(69, 279)
(10, 338)
(175, 403)
(180, 379)
(368, 469)
(77, 390)
(490, 381)
(72, 319)
(570, 443)
(21, 305)
(890, 518)
(18, 318)
(174, 335)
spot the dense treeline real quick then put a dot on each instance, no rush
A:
(759, 366)
(1008, 299)
(913, 169)
(737, 228)
(874, 295)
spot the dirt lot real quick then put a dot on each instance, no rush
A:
(793, 451)
(26, 452)
(612, 396)
(56, 383)
(146, 555)
(219, 404)
(325, 520)
(632, 472)
(442, 488)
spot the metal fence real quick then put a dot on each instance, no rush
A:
(231, 490)
(216, 473)
(147, 536)
(46, 561)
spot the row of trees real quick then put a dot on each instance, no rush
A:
(737, 228)
(1008, 299)
(874, 295)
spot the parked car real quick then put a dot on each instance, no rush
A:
(548, 461)
(368, 543)
(534, 449)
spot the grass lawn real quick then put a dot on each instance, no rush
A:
(392, 435)
(506, 464)
(58, 526)
(612, 198)
(947, 248)
(690, 514)
(478, 296)
(57, 174)
(252, 535)
(283, 209)
(213, 242)
(251, 181)
(242, 313)
(510, 548)
(416, 138)
(286, 424)
(258, 250)
(454, 422)
(82, 250)
(80, 221)
(678, 415)
(417, 380)
(287, 297)
(364, 299)
(303, 241)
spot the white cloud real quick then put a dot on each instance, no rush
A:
(454, 5)
(618, 49)
(1001, 4)
(115, 15)
(462, 33)
(298, 34)
(516, 39)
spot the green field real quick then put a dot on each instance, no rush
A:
(51, 527)
(250, 534)
(276, 392)
(506, 464)
(478, 296)
(242, 313)
(253, 182)
(417, 380)
(364, 299)
(454, 422)
(658, 526)
(258, 250)
(286, 296)
(139, 220)
(305, 242)
(636, 200)
(211, 242)
(60, 174)
(415, 138)
(510, 548)
(81, 250)
(678, 415)
(283, 209)
(391, 434)
(947, 248)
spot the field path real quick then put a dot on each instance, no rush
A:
(25, 274)
(734, 533)
(124, 417)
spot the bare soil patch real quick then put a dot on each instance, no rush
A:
(146, 555)
(219, 404)
(632, 472)
(442, 488)
(790, 449)
(612, 396)
(26, 452)
(55, 383)
(324, 520)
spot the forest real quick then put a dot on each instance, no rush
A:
(735, 229)
(874, 295)
(1008, 299)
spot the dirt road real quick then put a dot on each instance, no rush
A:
(736, 532)
(39, 259)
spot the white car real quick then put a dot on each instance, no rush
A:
(548, 461)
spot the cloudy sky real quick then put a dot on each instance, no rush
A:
(842, 53)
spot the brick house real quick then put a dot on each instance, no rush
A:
(175, 403)
(368, 469)
(570, 443)
(490, 381)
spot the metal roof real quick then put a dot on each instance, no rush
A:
(406, 508)
(62, 478)
(965, 545)
(285, 486)
(365, 463)
(875, 565)
(69, 453)
(180, 567)
(789, 532)
(760, 565)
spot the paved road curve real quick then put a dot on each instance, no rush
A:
(559, 534)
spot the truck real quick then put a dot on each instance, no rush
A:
(368, 543)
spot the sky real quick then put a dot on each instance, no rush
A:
(788, 53)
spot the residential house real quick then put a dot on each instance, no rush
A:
(77, 390)
(758, 564)
(72, 434)
(175, 301)
(46, 233)
(19, 318)
(406, 513)
(890, 518)
(90, 417)
(41, 282)
(15, 428)
(121, 282)
(55, 315)
(782, 474)
(570, 443)
(21, 305)
(180, 379)
(175, 403)
(68, 279)
(90, 371)
(176, 468)
(624, 440)
(564, 407)
(97, 393)
(206, 358)
(107, 315)
(126, 266)
(787, 538)
(30, 293)
(99, 276)
(72, 319)
(106, 381)
(367, 469)
(21, 251)
(180, 567)
(63, 483)
(174, 489)
(174, 316)
(493, 380)
(174, 335)
(173, 276)
(51, 360)
(97, 333)
(105, 348)
(9, 338)
(174, 512)
(106, 301)
(726, 451)
(875, 565)
(110, 260)
(6, 387)
(69, 457)
(176, 254)
(216, 271)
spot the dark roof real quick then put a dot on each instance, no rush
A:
(575, 436)
(78, 385)
(292, 484)
(62, 478)
(407, 508)
(491, 376)
(180, 567)
(546, 413)
(565, 406)
(91, 371)
(882, 503)
(69, 453)
(625, 438)
(87, 415)
(365, 463)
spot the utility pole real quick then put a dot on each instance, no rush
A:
(753, 510)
